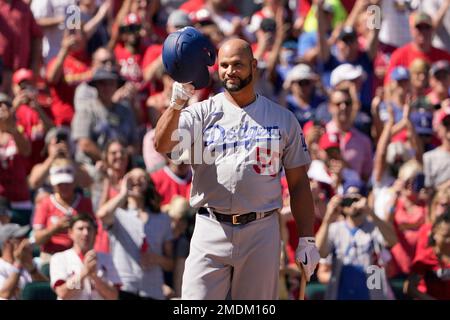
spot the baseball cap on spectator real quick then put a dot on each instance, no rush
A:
(440, 66)
(420, 17)
(202, 17)
(12, 231)
(57, 132)
(4, 98)
(179, 19)
(22, 75)
(104, 74)
(400, 73)
(352, 186)
(423, 122)
(345, 72)
(131, 19)
(299, 72)
(5, 207)
(328, 141)
(347, 33)
(61, 172)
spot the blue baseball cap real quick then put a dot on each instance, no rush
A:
(355, 184)
(423, 122)
(400, 73)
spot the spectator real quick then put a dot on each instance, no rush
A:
(100, 119)
(419, 70)
(110, 170)
(304, 97)
(408, 213)
(57, 145)
(174, 179)
(394, 31)
(141, 238)
(307, 42)
(351, 246)
(16, 262)
(81, 273)
(311, 20)
(14, 150)
(432, 266)
(54, 212)
(356, 148)
(69, 68)
(31, 118)
(439, 82)
(51, 16)
(95, 22)
(348, 51)
(331, 169)
(438, 9)
(439, 205)
(437, 162)
(179, 212)
(421, 28)
(129, 51)
(398, 90)
(17, 22)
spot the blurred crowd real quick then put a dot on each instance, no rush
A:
(89, 209)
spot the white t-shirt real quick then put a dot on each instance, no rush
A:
(67, 263)
(6, 269)
(394, 26)
(52, 35)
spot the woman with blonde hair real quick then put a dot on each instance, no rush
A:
(408, 213)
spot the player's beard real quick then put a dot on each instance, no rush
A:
(238, 86)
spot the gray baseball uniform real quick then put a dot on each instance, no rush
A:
(237, 155)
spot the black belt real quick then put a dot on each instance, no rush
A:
(236, 219)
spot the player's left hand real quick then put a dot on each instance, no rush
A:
(307, 255)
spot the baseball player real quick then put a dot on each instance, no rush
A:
(235, 248)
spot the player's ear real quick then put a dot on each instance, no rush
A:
(254, 64)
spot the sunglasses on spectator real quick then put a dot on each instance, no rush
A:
(349, 40)
(446, 122)
(132, 28)
(346, 102)
(107, 61)
(304, 83)
(6, 103)
(423, 27)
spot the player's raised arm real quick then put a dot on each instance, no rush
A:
(168, 122)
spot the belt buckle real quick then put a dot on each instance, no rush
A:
(234, 219)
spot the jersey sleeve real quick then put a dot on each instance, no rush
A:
(190, 125)
(58, 274)
(40, 215)
(295, 153)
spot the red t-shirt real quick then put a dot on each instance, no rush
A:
(167, 184)
(29, 122)
(18, 28)
(405, 55)
(130, 64)
(13, 173)
(75, 71)
(435, 273)
(403, 252)
(49, 211)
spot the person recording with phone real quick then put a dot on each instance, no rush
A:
(54, 212)
(57, 146)
(350, 240)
